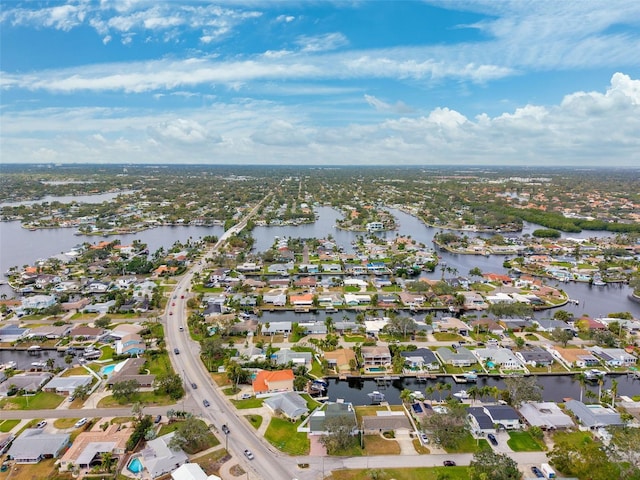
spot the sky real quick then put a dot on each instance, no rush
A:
(531, 83)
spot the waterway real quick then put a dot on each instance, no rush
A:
(97, 198)
(19, 246)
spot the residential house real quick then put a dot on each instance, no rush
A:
(375, 356)
(353, 300)
(515, 324)
(273, 328)
(50, 331)
(29, 382)
(38, 302)
(504, 416)
(461, 357)
(11, 333)
(546, 415)
(289, 404)
(373, 327)
(551, 325)
(535, 356)
(86, 333)
(594, 416)
(474, 301)
(327, 299)
(318, 419)
(499, 356)
(192, 471)
(285, 356)
(487, 325)
(281, 268)
(131, 371)
(573, 357)
(276, 381)
(304, 300)
(88, 447)
(159, 459)
(34, 444)
(614, 357)
(479, 421)
(131, 344)
(420, 359)
(412, 299)
(67, 385)
(451, 324)
(341, 360)
(386, 421)
(276, 297)
(313, 328)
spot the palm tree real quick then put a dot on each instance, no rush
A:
(614, 392)
(582, 380)
(50, 363)
(447, 387)
(438, 388)
(473, 392)
(429, 391)
(405, 395)
(107, 461)
(600, 384)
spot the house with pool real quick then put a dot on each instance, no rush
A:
(157, 458)
(87, 449)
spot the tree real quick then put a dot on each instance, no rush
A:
(562, 315)
(68, 359)
(624, 451)
(510, 310)
(107, 460)
(81, 392)
(489, 465)
(169, 384)
(522, 389)
(400, 325)
(475, 272)
(191, 433)
(561, 335)
(449, 428)
(582, 380)
(50, 363)
(339, 436)
(102, 322)
(125, 390)
(584, 460)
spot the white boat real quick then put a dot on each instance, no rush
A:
(470, 377)
(39, 364)
(417, 395)
(462, 394)
(376, 396)
(594, 374)
(10, 364)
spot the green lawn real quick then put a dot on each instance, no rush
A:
(107, 352)
(354, 338)
(523, 442)
(469, 445)
(282, 434)
(573, 438)
(423, 473)
(159, 364)
(252, 402)
(39, 401)
(254, 420)
(7, 425)
(147, 398)
(447, 337)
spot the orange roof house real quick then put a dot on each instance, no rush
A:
(305, 299)
(273, 381)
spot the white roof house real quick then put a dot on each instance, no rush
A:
(546, 415)
(500, 356)
(192, 471)
(38, 302)
(67, 385)
(159, 459)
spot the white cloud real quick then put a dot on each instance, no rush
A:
(285, 18)
(321, 43)
(183, 131)
(398, 107)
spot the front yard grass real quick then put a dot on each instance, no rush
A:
(158, 364)
(211, 462)
(65, 422)
(39, 401)
(254, 420)
(107, 352)
(43, 469)
(149, 399)
(447, 337)
(574, 439)
(422, 473)
(283, 435)
(7, 425)
(523, 442)
(376, 445)
(468, 444)
(252, 402)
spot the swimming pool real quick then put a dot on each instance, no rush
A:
(135, 465)
(108, 369)
(377, 369)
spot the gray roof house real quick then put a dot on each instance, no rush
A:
(276, 327)
(546, 415)
(479, 420)
(535, 356)
(551, 325)
(462, 357)
(594, 416)
(34, 445)
(421, 358)
(332, 410)
(503, 415)
(29, 382)
(67, 385)
(284, 356)
(289, 404)
(159, 459)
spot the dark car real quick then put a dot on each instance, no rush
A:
(225, 429)
(193, 385)
(449, 463)
(537, 472)
(176, 351)
(206, 403)
(492, 438)
(158, 419)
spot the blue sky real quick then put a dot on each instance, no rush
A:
(321, 82)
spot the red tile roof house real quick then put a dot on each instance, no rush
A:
(267, 382)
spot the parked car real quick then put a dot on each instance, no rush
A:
(176, 351)
(492, 438)
(181, 329)
(537, 472)
(80, 423)
(248, 454)
(449, 463)
(158, 419)
(206, 403)
(424, 438)
(225, 429)
(41, 424)
(193, 385)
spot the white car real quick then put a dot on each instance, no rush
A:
(41, 424)
(248, 454)
(80, 423)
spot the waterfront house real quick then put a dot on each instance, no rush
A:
(546, 415)
(550, 325)
(474, 301)
(288, 404)
(327, 299)
(130, 370)
(353, 300)
(614, 357)
(34, 444)
(88, 447)
(192, 471)
(50, 331)
(499, 356)
(273, 381)
(281, 268)
(535, 356)
(385, 421)
(487, 325)
(11, 333)
(274, 328)
(28, 382)
(411, 299)
(375, 356)
(420, 359)
(313, 328)
(285, 356)
(99, 307)
(515, 324)
(573, 357)
(304, 300)
(461, 357)
(86, 333)
(594, 416)
(341, 360)
(451, 324)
